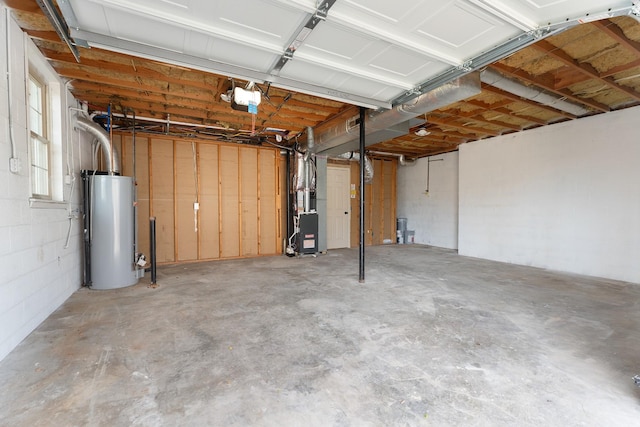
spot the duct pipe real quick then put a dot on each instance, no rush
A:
(307, 170)
(103, 139)
(340, 134)
(495, 79)
(406, 162)
(402, 159)
(368, 166)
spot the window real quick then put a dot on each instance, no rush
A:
(46, 113)
(40, 146)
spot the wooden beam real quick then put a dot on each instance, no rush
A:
(616, 33)
(471, 129)
(490, 107)
(585, 68)
(621, 68)
(477, 116)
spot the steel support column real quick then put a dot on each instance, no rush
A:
(362, 223)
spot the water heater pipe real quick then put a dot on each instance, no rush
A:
(109, 152)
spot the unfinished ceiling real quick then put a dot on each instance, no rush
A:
(170, 61)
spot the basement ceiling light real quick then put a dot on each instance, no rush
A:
(422, 132)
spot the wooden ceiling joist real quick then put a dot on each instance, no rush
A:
(584, 68)
(157, 90)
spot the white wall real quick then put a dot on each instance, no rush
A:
(433, 215)
(37, 272)
(564, 197)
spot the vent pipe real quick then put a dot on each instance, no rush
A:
(341, 133)
(307, 170)
(108, 150)
(406, 162)
(495, 79)
(368, 166)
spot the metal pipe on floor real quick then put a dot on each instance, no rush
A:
(362, 145)
(152, 248)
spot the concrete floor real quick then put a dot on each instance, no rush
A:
(430, 339)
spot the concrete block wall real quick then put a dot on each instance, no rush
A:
(564, 197)
(433, 215)
(38, 269)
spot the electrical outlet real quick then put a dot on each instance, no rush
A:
(14, 165)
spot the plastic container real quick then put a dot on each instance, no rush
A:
(409, 237)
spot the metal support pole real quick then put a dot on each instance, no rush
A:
(152, 249)
(288, 193)
(362, 233)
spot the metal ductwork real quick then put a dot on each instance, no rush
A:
(406, 162)
(368, 166)
(495, 79)
(340, 134)
(108, 150)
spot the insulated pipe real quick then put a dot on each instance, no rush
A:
(342, 129)
(307, 170)
(368, 166)
(103, 139)
(495, 79)
(406, 162)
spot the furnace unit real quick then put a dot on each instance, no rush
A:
(308, 234)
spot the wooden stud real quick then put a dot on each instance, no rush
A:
(199, 191)
(239, 203)
(175, 205)
(220, 242)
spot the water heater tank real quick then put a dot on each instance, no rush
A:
(111, 223)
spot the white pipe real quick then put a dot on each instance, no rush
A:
(495, 79)
(103, 139)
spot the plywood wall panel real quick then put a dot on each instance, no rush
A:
(377, 196)
(355, 208)
(239, 192)
(162, 191)
(249, 201)
(186, 233)
(380, 200)
(389, 201)
(209, 218)
(229, 199)
(268, 194)
(142, 189)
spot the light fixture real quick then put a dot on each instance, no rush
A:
(635, 11)
(422, 132)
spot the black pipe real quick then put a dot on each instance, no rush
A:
(152, 249)
(288, 193)
(86, 232)
(362, 138)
